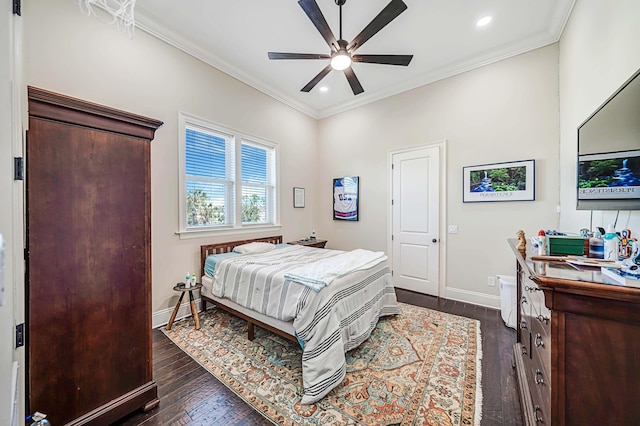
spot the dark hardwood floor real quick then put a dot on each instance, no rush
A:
(189, 395)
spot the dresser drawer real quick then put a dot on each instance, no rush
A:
(541, 346)
(540, 380)
(525, 306)
(541, 408)
(536, 297)
(542, 320)
(524, 330)
(538, 308)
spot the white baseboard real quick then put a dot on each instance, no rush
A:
(161, 318)
(474, 297)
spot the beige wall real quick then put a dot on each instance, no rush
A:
(149, 77)
(506, 111)
(502, 112)
(598, 53)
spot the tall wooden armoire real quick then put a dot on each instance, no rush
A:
(88, 261)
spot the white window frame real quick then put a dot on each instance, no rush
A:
(236, 226)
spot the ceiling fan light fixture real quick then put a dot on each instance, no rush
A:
(341, 61)
(483, 21)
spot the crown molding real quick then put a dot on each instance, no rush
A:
(154, 29)
(555, 30)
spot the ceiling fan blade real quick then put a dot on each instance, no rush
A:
(383, 59)
(281, 55)
(353, 81)
(315, 80)
(314, 13)
(388, 14)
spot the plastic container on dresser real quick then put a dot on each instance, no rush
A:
(578, 338)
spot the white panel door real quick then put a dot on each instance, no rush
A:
(415, 220)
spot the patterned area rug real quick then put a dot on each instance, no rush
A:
(418, 368)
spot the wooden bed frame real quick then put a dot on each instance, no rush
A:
(219, 248)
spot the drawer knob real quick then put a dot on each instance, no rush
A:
(531, 289)
(539, 381)
(539, 341)
(524, 350)
(538, 419)
(543, 319)
(523, 324)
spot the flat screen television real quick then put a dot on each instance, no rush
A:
(608, 166)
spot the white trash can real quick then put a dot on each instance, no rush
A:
(508, 301)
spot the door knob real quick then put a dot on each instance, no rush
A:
(434, 241)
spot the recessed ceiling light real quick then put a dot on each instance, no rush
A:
(324, 89)
(483, 21)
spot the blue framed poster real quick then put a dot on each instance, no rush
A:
(345, 198)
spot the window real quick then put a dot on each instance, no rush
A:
(209, 177)
(258, 182)
(228, 180)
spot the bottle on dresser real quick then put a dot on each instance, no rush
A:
(596, 245)
(542, 243)
(611, 244)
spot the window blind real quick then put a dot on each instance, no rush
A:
(258, 182)
(210, 175)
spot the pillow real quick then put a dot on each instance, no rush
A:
(253, 248)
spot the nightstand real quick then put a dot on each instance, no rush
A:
(310, 243)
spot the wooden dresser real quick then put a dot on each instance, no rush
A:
(88, 259)
(578, 345)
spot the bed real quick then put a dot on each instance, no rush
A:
(328, 321)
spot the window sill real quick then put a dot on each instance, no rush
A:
(246, 229)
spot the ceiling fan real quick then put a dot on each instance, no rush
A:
(342, 53)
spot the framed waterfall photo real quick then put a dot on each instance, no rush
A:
(345, 198)
(513, 181)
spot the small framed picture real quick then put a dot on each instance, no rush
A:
(512, 181)
(298, 198)
(345, 198)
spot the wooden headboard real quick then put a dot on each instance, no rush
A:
(207, 249)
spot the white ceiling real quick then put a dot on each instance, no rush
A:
(235, 36)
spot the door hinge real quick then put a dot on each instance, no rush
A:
(17, 6)
(392, 166)
(19, 335)
(392, 238)
(391, 202)
(18, 168)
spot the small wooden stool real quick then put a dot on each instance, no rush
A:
(194, 311)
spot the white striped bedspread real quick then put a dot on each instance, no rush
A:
(328, 323)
